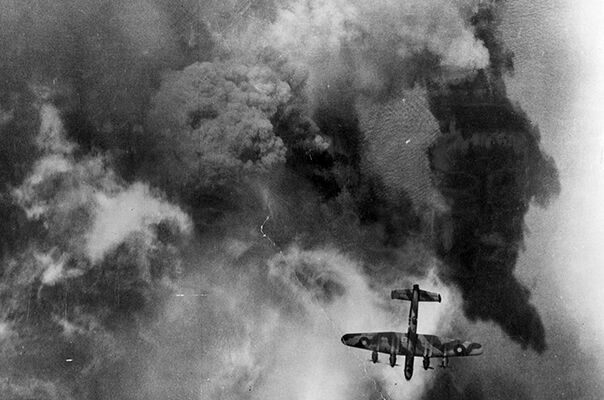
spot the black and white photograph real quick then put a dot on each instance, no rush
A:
(301, 200)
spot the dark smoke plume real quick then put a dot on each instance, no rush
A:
(488, 165)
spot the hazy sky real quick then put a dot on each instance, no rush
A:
(559, 81)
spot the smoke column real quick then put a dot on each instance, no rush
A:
(489, 165)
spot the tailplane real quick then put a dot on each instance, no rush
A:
(407, 294)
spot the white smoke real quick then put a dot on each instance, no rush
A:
(287, 343)
(54, 267)
(375, 35)
(85, 207)
(133, 210)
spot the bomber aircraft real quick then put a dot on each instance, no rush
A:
(411, 344)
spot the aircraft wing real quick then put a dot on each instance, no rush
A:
(427, 345)
(382, 342)
(435, 346)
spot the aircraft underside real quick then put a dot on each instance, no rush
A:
(411, 344)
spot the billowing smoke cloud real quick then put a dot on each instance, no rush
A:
(213, 122)
(109, 263)
(82, 203)
(379, 46)
(290, 346)
(101, 244)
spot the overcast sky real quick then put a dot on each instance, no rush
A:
(559, 82)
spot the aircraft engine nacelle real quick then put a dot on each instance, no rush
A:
(460, 350)
(409, 367)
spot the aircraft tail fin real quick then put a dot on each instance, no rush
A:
(407, 294)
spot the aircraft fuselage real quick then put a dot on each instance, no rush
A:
(412, 333)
